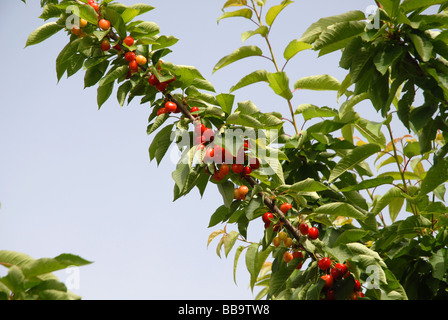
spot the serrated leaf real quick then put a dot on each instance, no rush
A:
(213, 235)
(262, 31)
(229, 241)
(103, 93)
(340, 209)
(254, 77)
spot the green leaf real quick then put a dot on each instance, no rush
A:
(94, 74)
(238, 252)
(307, 185)
(225, 100)
(274, 11)
(237, 3)
(423, 46)
(386, 58)
(255, 260)
(254, 77)
(310, 111)
(15, 281)
(241, 53)
(42, 33)
(352, 158)
(141, 7)
(340, 209)
(227, 192)
(294, 47)
(318, 82)
(47, 265)
(103, 93)
(244, 13)
(123, 91)
(367, 184)
(313, 32)
(262, 30)
(114, 74)
(88, 13)
(439, 263)
(436, 175)
(337, 36)
(411, 5)
(279, 82)
(160, 144)
(229, 241)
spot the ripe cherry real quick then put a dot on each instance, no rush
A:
(117, 47)
(342, 267)
(141, 60)
(224, 168)
(161, 111)
(297, 254)
(170, 106)
(76, 30)
(255, 164)
(162, 86)
(336, 273)
(208, 133)
(304, 228)
(129, 41)
(328, 280)
(104, 24)
(267, 218)
(129, 56)
(133, 66)
(237, 168)
(244, 190)
(218, 176)
(285, 207)
(94, 5)
(247, 171)
(324, 263)
(357, 286)
(313, 233)
(105, 45)
(209, 155)
(194, 110)
(199, 129)
(153, 80)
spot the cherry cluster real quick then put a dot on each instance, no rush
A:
(334, 274)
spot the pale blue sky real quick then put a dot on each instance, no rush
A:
(78, 180)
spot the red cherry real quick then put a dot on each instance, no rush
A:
(194, 109)
(285, 207)
(208, 134)
(255, 164)
(153, 80)
(199, 140)
(199, 129)
(336, 273)
(297, 254)
(162, 86)
(267, 217)
(161, 111)
(104, 24)
(105, 45)
(94, 5)
(324, 263)
(117, 47)
(341, 267)
(218, 176)
(237, 168)
(129, 56)
(209, 155)
(133, 66)
(304, 228)
(170, 106)
(129, 41)
(328, 281)
(225, 170)
(313, 233)
(357, 286)
(247, 171)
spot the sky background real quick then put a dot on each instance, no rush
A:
(77, 179)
